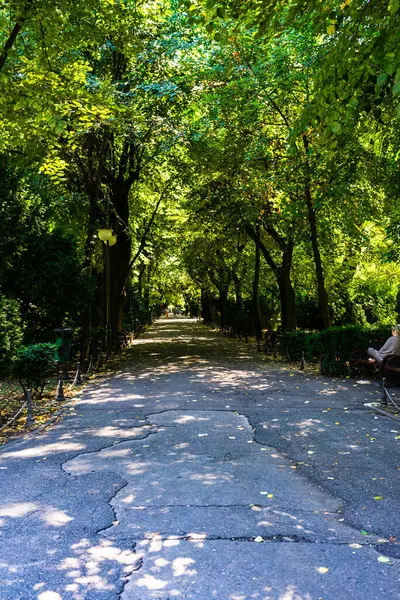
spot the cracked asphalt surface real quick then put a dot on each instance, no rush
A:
(200, 472)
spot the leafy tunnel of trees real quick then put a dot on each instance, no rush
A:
(245, 154)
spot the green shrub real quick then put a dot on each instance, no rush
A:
(293, 343)
(333, 346)
(48, 280)
(10, 331)
(33, 365)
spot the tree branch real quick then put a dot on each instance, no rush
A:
(143, 239)
(14, 34)
(265, 252)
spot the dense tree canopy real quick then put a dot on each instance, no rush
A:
(245, 155)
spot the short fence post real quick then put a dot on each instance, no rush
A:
(60, 388)
(29, 417)
(302, 362)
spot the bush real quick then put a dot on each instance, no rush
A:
(332, 346)
(48, 281)
(33, 365)
(10, 331)
(293, 343)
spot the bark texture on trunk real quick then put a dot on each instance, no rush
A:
(256, 288)
(282, 273)
(312, 220)
(322, 293)
(120, 255)
(286, 292)
(222, 304)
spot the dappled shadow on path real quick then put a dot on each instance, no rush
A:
(185, 456)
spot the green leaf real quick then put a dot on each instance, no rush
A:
(396, 88)
(380, 82)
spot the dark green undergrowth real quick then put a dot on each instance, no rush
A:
(333, 346)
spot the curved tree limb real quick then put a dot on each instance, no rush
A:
(14, 34)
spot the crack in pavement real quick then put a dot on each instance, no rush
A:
(273, 538)
(79, 454)
(133, 569)
(109, 500)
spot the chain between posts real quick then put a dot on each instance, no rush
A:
(387, 395)
(78, 376)
(29, 416)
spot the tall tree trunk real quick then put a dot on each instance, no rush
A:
(322, 293)
(238, 292)
(207, 309)
(286, 292)
(222, 302)
(312, 220)
(120, 255)
(256, 289)
(95, 148)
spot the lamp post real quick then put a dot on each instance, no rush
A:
(107, 236)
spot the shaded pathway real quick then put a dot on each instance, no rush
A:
(199, 472)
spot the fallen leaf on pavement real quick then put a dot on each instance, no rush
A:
(383, 559)
(322, 570)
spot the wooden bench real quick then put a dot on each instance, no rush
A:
(391, 369)
(359, 360)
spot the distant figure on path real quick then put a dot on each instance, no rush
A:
(390, 347)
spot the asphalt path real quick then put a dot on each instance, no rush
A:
(199, 471)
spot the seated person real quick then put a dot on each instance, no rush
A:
(390, 347)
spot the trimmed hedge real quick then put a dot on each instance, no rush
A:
(332, 346)
(33, 365)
